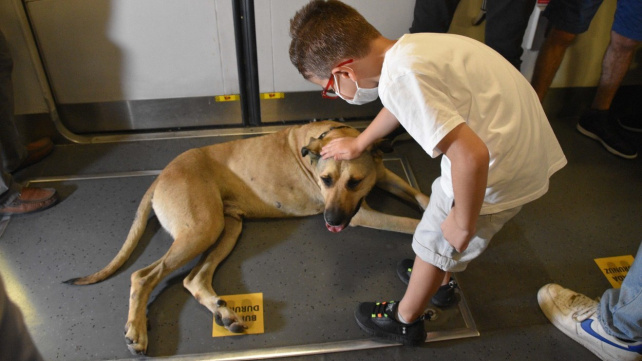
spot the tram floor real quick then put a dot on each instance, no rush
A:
(311, 280)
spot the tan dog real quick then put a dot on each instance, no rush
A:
(203, 195)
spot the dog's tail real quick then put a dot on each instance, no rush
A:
(135, 233)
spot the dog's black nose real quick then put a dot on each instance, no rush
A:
(334, 218)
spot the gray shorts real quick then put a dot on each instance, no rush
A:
(431, 246)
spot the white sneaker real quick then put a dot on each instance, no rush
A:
(576, 316)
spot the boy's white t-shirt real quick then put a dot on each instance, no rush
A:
(434, 82)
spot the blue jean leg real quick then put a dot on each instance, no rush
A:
(620, 310)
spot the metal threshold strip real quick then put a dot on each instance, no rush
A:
(201, 133)
(320, 348)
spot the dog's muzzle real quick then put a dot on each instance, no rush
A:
(336, 220)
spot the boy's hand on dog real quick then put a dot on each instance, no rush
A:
(341, 149)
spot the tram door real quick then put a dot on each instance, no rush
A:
(149, 65)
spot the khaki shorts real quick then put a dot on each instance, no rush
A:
(431, 246)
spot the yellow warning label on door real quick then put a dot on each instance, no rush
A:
(272, 95)
(615, 268)
(249, 307)
(227, 98)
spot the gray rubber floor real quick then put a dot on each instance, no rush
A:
(311, 279)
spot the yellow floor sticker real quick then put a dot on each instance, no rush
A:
(615, 268)
(250, 308)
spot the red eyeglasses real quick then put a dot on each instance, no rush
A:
(332, 94)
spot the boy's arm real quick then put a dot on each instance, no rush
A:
(350, 148)
(469, 160)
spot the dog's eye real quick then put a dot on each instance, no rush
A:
(327, 181)
(353, 183)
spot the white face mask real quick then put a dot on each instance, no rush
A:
(361, 96)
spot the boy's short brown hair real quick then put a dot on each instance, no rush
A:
(325, 32)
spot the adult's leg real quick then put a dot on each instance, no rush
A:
(506, 22)
(9, 189)
(8, 153)
(16, 199)
(615, 64)
(433, 16)
(619, 310)
(598, 122)
(549, 59)
(12, 150)
(567, 18)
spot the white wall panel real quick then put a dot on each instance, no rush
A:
(265, 38)
(391, 18)
(227, 47)
(111, 50)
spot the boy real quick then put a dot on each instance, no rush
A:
(455, 96)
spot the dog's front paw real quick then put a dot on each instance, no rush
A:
(136, 338)
(227, 318)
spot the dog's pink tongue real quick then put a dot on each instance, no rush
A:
(334, 229)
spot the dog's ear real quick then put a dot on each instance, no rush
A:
(313, 149)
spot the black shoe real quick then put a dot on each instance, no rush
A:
(445, 296)
(404, 269)
(378, 319)
(601, 126)
(631, 123)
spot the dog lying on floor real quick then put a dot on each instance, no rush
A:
(202, 196)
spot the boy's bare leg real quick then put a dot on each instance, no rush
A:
(425, 280)
(446, 279)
